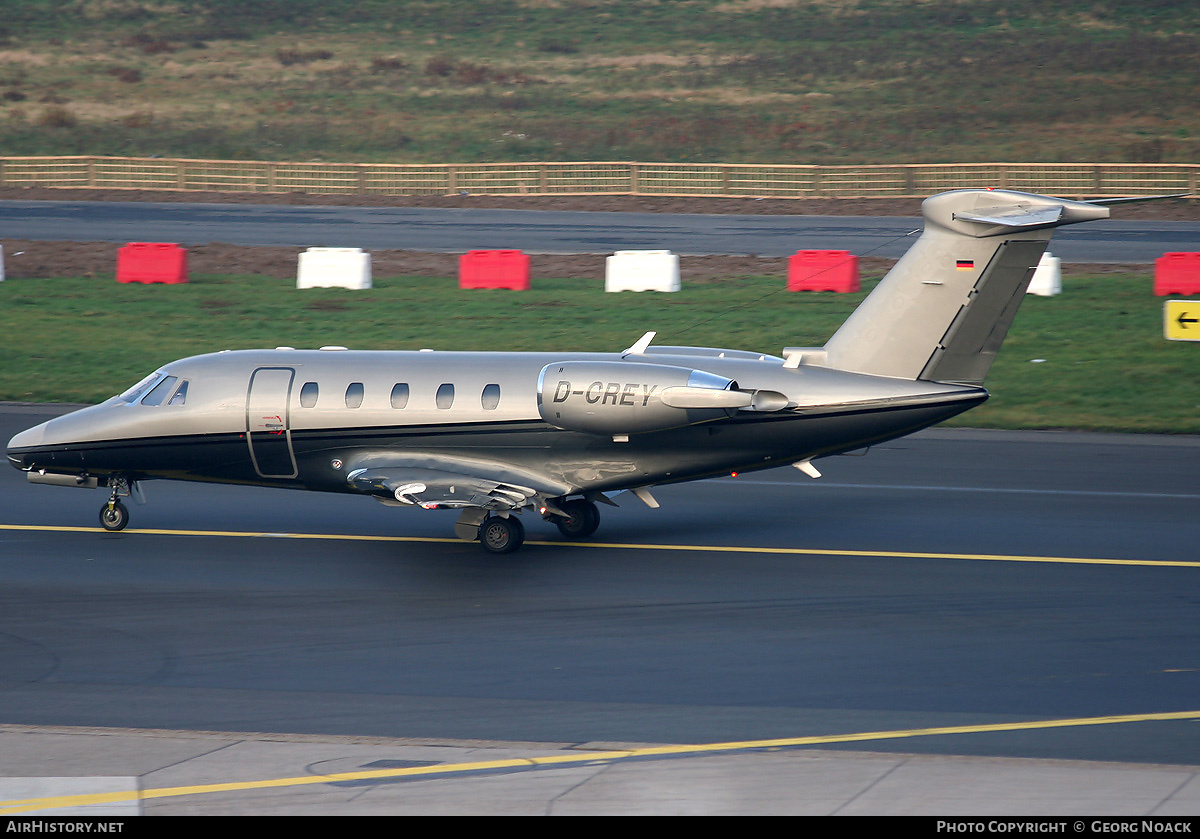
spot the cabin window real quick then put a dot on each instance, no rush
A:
(400, 395)
(180, 396)
(445, 396)
(354, 395)
(308, 395)
(491, 397)
(159, 391)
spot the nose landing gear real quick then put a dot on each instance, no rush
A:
(114, 515)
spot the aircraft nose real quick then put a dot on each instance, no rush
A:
(28, 439)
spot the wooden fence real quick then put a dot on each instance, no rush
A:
(602, 178)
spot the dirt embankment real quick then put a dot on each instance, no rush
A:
(24, 258)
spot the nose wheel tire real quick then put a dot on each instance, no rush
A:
(500, 535)
(582, 519)
(114, 516)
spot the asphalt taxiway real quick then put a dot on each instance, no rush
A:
(958, 622)
(454, 230)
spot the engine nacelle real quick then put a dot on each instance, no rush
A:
(615, 398)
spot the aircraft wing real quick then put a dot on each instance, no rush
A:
(440, 482)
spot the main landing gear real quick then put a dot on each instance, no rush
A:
(581, 520)
(500, 534)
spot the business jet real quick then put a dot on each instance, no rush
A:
(553, 434)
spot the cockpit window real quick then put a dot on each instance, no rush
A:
(139, 390)
(159, 392)
(180, 396)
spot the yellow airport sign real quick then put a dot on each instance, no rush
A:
(1181, 320)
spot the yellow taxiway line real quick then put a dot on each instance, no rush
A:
(16, 806)
(629, 546)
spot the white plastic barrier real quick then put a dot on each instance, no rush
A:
(641, 271)
(1, 263)
(1047, 279)
(334, 268)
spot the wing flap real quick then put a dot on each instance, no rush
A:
(434, 488)
(429, 480)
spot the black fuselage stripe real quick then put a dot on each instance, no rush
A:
(366, 434)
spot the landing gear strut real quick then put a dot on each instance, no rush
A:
(581, 521)
(114, 515)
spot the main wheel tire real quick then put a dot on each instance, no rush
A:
(114, 516)
(500, 535)
(582, 519)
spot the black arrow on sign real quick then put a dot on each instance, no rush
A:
(1183, 322)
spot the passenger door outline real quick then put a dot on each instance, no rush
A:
(268, 426)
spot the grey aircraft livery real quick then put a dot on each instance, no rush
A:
(555, 433)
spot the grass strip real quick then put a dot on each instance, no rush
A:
(1092, 358)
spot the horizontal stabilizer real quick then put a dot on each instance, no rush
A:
(1106, 202)
(1018, 218)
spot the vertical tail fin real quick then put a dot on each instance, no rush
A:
(943, 310)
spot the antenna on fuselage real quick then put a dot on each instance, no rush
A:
(641, 345)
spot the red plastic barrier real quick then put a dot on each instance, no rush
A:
(1177, 273)
(151, 262)
(494, 269)
(823, 271)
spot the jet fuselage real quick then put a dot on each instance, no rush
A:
(306, 418)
